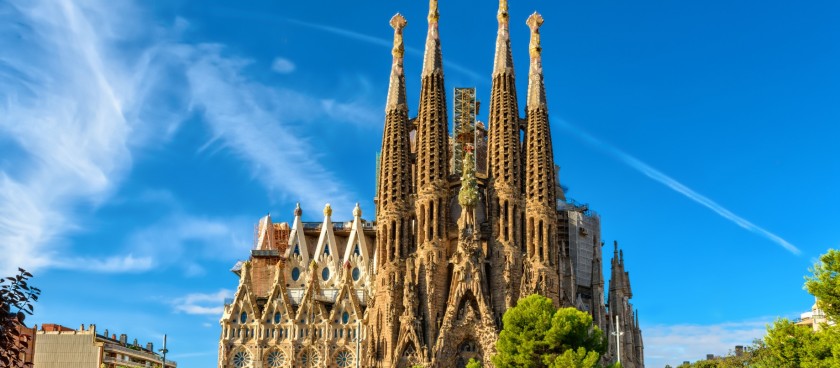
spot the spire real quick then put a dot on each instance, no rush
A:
(536, 87)
(432, 57)
(396, 87)
(504, 60)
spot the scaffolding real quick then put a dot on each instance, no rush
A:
(463, 127)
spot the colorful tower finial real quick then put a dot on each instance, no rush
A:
(502, 15)
(327, 210)
(503, 61)
(536, 87)
(432, 56)
(396, 86)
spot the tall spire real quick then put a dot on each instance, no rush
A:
(432, 57)
(396, 87)
(504, 167)
(504, 60)
(536, 87)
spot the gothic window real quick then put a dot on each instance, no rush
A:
(356, 274)
(327, 249)
(325, 274)
(345, 317)
(295, 274)
(241, 359)
(356, 250)
(344, 359)
(243, 317)
(276, 359)
(297, 249)
(277, 317)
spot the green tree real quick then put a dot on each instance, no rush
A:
(16, 298)
(537, 335)
(825, 283)
(473, 364)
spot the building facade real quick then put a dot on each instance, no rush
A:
(57, 346)
(451, 248)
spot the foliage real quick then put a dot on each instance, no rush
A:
(825, 283)
(473, 364)
(16, 298)
(537, 335)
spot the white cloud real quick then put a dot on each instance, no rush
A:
(282, 65)
(673, 344)
(76, 104)
(116, 264)
(202, 304)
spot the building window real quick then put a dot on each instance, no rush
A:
(345, 317)
(327, 249)
(356, 250)
(277, 317)
(297, 249)
(243, 317)
(276, 359)
(241, 359)
(325, 274)
(295, 274)
(356, 274)
(344, 359)
(310, 357)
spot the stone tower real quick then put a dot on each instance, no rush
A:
(542, 255)
(432, 192)
(394, 212)
(504, 166)
(623, 320)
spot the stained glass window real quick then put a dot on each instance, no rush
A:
(325, 274)
(345, 317)
(356, 274)
(243, 317)
(241, 359)
(344, 359)
(276, 359)
(295, 274)
(277, 317)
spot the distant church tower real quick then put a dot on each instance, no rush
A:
(427, 282)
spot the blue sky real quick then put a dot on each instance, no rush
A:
(141, 141)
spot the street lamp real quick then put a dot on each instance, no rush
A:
(617, 333)
(164, 351)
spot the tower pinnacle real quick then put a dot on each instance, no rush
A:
(536, 87)
(396, 86)
(432, 57)
(503, 61)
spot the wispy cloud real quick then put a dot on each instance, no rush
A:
(202, 304)
(63, 104)
(116, 264)
(678, 187)
(673, 344)
(385, 42)
(78, 101)
(282, 65)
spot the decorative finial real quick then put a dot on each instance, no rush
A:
(298, 210)
(398, 22)
(534, 22)
(327, 210)
(502, 15)
(357, 211)
(433, 11)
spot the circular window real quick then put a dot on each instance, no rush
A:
(325, 274)
(356, 274)
(243, 317)
(241, 359)
(277, 317)
(344, 359)
(295, 274)
(345, 317)
(276, 359)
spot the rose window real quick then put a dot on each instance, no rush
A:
(344, 359)
(241, 359)
(276, 359)
(310, 358)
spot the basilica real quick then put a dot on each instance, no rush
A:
(466, 223)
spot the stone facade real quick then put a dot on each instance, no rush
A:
(428, 282)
